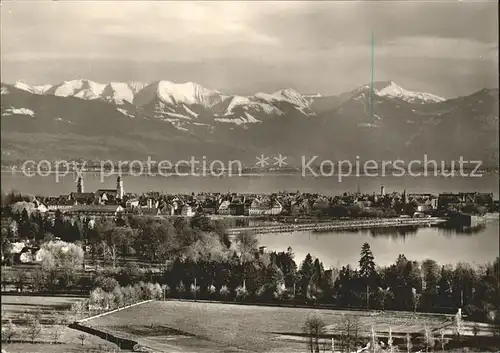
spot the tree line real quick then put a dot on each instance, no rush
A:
(197, 259)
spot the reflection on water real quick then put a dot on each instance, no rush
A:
(392, 232)
(445, 245)
(451, 230)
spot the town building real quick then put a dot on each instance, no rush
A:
(451, 199)
(94, 210)
(224, 208)
(187, 211)
(275, 208)
(257, 208)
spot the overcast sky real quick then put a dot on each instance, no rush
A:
(447, 48)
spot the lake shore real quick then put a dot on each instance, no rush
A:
(339, 225)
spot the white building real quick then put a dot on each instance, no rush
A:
(187, 211)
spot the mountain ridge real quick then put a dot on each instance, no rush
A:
(118, 118)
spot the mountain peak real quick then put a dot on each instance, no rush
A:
(176, 93)
(393, 90)
(32, 89)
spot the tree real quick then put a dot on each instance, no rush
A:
(348, 330)
(156, 241)
(116, 239)
(367, 269)
(431, 277)
(416, 299)
(194, 289)
(409, 345)
(373, 341)
(247, 244)
(382, 296)
(390, 342)
(20, 279)
(78, 308)
(475, 329)
(129, 274)
(5, 246)
(224, 291)
(97, 299)
(82, 337)
(458, 323)
(33, 327)
(313, 328)
(61, 259)
(305, 275)
(58, 322)
(39, 280)
(442, 340)
(180, 289)
(241, 292)
(107, 284)
(8, 331)
(118, 296)
(429, 340)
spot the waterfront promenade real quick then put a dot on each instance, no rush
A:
(339, 225)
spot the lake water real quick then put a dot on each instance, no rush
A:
(340, 248)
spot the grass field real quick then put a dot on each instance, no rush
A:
(201, 327)
(13, 306)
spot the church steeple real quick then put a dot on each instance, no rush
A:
(119, 188)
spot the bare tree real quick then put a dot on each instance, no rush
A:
(475, 329)
(348, 330)
(77, 309)
(82, 337)
(416, 299)
(428, 339)
(20, 280)
(58, 322)
(57, 332)
(373, 340)
(314, 327)
(409, 345)
(8, 331)
(442, 339)
(458, 323)
(33, 328)
(390, 342)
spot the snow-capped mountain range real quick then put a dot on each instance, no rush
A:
(124, 119)
(190, 93)
(179, 103)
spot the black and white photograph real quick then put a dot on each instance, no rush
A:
(250, 176)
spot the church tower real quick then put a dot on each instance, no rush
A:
(119, 188)
(79, 185)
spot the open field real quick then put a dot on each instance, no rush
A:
(188, 326)
(14, 306)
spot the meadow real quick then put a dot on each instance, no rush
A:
(199, 326)
(15, 306)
